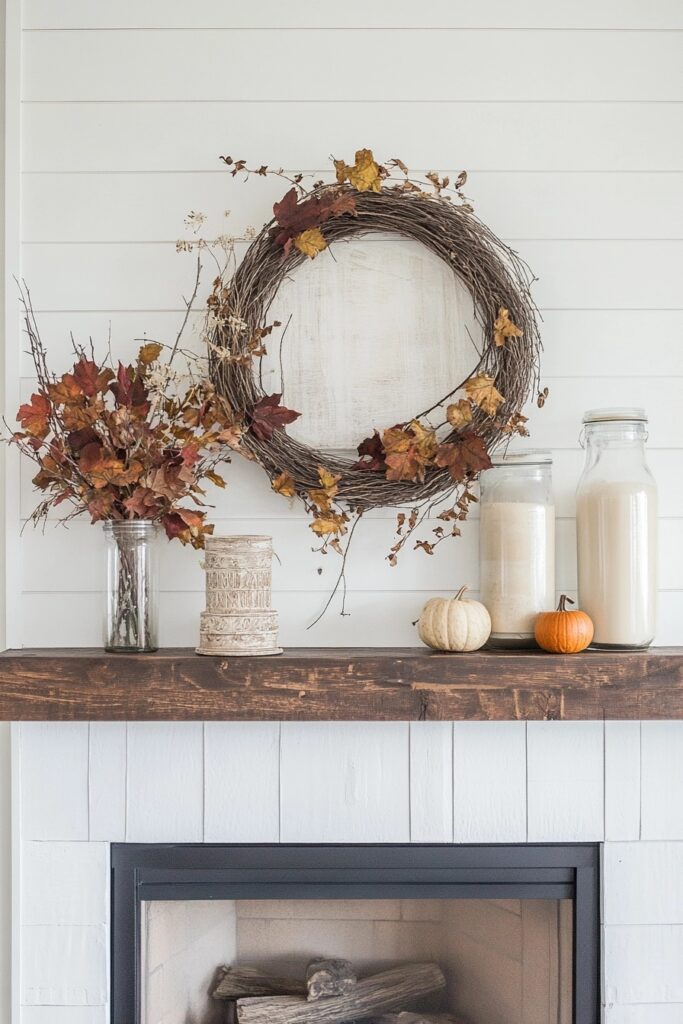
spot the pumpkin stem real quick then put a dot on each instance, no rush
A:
(458, 596)
(564, 601)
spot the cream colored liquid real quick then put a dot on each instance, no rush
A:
(517, 556)
(616, 525)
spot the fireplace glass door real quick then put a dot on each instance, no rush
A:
(335, 935)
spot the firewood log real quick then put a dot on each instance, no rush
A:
(329, 978)
(247, 981)
(390, 990)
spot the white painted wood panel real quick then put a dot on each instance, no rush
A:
(54, 780)
(431, 782)
(622, 780)
(445, 65)
(64, 966)
(662, 780)
(74, 620)
(565, 766)
(489, 782)
(242, 782)
(643, 883)
(643, 964)
(490, 136)
(64, 884)
(127, 276)
(64, 1015)
(107, 777)
(128, 207)
(165, 782)
(646, 1013)
(614, 14)
(344, 782)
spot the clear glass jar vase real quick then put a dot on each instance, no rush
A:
(616, 530)
(517, 545)
(132, 598)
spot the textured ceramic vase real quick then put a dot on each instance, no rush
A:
(238, 619)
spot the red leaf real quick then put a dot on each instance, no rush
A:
(293, 216)
(464, 458)
(370, 448)
(89, 378)
(268, 415)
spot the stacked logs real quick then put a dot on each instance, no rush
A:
(330, 994)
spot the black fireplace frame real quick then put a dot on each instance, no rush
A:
(212, 871)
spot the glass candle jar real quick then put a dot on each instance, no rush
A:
(616, 528)
(517, 545)
(132, 597)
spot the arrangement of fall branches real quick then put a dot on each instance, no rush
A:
(440, 451)
(125, 442)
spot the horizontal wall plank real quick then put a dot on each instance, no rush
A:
(126, 276)
(64, 1015)
(481, 136)
(75, 556)
(618, 14)
(371, 619)
(152, 207)
(643, 882)
(463, 65)
(355, 776)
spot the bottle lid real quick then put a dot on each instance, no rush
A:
(522, 457)
(616, 414)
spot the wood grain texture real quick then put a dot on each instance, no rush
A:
(351, 684)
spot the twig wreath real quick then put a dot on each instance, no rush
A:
(439, 452)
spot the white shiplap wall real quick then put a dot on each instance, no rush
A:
(368, 782)
(567, 118)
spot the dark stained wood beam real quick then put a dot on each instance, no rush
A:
(343, 684)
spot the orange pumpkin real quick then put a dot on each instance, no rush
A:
(564, 631)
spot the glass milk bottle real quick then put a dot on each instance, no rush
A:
(517, 545)
(616, 527)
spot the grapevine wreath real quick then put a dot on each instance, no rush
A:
(434, 457)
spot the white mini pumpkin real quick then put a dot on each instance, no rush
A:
(454, 624)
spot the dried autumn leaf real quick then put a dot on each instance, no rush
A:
(483, 392)
(463, 458)
(404, 466)
(99, 465)
(284, 484)
(66, 391)
(295, 218)
(424, 440)
(370, 448)
(503, 328)
(331, 524)
(364, 175)
(90, 378)
(268, 416)
(459, 414)
(33, 415)
(515, 425)
(310, 242)
(149, 353)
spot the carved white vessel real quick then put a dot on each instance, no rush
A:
(238, 619)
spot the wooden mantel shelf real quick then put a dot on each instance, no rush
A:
(343, 684)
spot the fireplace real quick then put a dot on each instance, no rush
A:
(181, 911)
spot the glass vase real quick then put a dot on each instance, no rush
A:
(132, 598)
